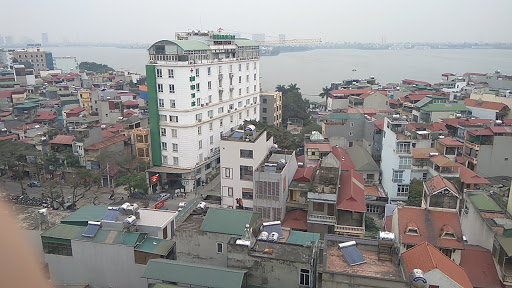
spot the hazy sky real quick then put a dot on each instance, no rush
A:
(146, 21)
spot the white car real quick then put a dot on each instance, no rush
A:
(164, 196)
(181, 206)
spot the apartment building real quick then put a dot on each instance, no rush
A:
(397, 144)
(34, 57)
(200, 86)
(271, 108)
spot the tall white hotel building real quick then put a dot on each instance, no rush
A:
(200, 87)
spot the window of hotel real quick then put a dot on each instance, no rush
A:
(171, 88)
(230, 191)
(175, 161)
(209, 85)
(161, 103)
(403, 147)
(210, 113)
(220, 110)
(239, 67)
(200, 144)
(264, 100)
(173, 103)
(240, 103)
(247, 78)
(174, 133)
(211, 140)
(220, 123)
(164, 146)
(199, 130)
(220, 247)
(197, 87)
(404, 163)
(197, 72)
(171, 73)
(239, 79)
(163, 132)
(209, 71)
(264, 110)
(211, 126)
(163, 118)
(174, 147)
(160, 87)
(398, 176)
(254, 76)
(247, 66)
(159, 73)
(247, 193)
(174, 119)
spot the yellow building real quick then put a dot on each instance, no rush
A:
(85, 100)
(142, 143)
(35, 57)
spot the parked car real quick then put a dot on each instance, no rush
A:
(34, 184)
(181, 206)
(164, 196)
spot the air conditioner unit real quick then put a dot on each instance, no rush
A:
(202, 105)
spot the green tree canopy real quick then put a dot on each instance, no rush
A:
(326, 91)
(95, 67)
(415, 193)
(134, 181)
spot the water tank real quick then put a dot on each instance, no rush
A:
(124, 207)
(103, 126)
(263, 236)
(274, 147)
(498, 122)
(417, 278)
(396, 117)
(386, 236)
(250, 128)
(431, 154)
(201, 205)
(129, 221)
(274, 237)
(404, 118)
(132, 209)
(281, 163)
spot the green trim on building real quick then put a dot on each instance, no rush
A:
(154, 118)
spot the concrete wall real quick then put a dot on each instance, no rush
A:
(437, 278)
(340, 280)
(276, 270)
(100, 265)
(437, 116)
(199, 247)
(475, 229)
(362, 130)
(496, 159)
(483, 113)
(377, 101)
(493, 98)
(336, 104)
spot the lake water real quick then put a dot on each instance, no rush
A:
(315, 69)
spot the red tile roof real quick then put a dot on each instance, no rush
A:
(342, 156)
(322, 147)
(371, 92)
(131, 103)
(379, 124)
(485, 104)
(351, 192)
(371, 191)
(303, 175)
(5, 114)
(45, 116)
(301, 159)
(447, 74)
(427, 258)
(25, 140)
(63, 140)
(479, 266)
(128, 113)
(107, 134)
(366, 111)
(467, 176)
(9, 137)
(29, 126)
(107, 142)
(416, 97)
(430, 223)
(296, 220)
(473, 74)
(501, 129)
(438, 183)
(112, 170)
(409, 82)
(442, 161)
(436, 127)
(481, 132)
(115, 128)
(450, 142)
(413, 126)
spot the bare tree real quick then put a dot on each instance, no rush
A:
(53, 190)
(82, 181)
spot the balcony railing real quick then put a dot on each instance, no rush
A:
(471, 159)
(398, 180)
(349, 230)
(507, 279)
(322, 219)
(472, 145)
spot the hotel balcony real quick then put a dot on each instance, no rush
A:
(321, 219)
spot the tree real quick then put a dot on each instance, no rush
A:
(292, 87)
(14, 158)
(82, 181)
(415, 193)
(370, 226)
(134, 181)
(53, 190)
(95, 67)
(326, 92)
(281, 88)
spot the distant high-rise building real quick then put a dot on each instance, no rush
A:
(282, 37)
(9, 41)
(197, 94)
(258, 37)
(44, 38)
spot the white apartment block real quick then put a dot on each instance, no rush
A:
(240, 159)
(200, 86)
(396, 164)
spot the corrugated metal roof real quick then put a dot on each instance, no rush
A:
(188, 45)
(445, 107)
(72, 232)
(193, 274)
(302, 238)
(84, 214)
(156, 246)
(229, 221)
(484, 203)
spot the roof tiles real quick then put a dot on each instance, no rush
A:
(351, 192)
